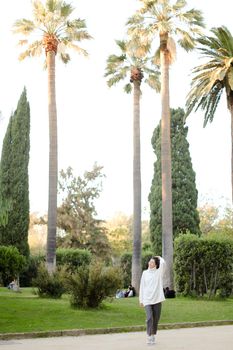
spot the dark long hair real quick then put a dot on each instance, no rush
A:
(157, 261)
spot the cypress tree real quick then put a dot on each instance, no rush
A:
(14, 185)
(184, 192)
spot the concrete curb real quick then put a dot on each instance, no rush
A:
(89, 331)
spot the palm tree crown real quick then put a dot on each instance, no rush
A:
(130, 62)
(159, 16)
(212, 77)
(52, 29)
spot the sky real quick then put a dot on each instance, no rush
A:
(95, 123)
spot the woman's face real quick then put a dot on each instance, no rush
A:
(151, 264)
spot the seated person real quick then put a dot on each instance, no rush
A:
(13, 285)
(130, 291)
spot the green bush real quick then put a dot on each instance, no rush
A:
(203, 265)
(11, 263)
(50, 286)
(69, 258)
(90, 285)
(72, 258)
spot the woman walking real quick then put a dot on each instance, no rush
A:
(151, 295)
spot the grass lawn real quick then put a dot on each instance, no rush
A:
(25, 312)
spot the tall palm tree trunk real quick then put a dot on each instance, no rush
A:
(230, 107)
(136, 258)
(53, 166)
(167, 234)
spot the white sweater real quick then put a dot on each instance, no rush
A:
(151, 286)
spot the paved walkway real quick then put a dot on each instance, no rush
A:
(214, 338)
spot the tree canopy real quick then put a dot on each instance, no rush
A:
(77, 212)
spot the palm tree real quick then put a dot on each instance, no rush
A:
(54, 33)
(129, 64)
(212, 77)
(161, 18)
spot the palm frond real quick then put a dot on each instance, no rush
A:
(153, 81)
(52, 5)
(23, 26)
(116, 78)
(78, 49)
(156, 57)
(76, 24)
(186, 41)
(39, 11)
(22, 42)
(205, 94)
(57, 6)
(224, 37)
(122, 45)
(171, 46)
(135, 20)
(65, 57)
(66, 10)
(212, 77)
(34, 49)
(230, 78)
(116, 60)
(193, 18)
(179, 5)
(128, 88)
(79, 36)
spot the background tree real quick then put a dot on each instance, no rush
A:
(184, 192)
(209, 215)
(212, 77)
(130, 64)
(77, 213)
(216, 221)
(14, 177)
(161, 18)
(119, 232)
(37, 234)
(55, 32)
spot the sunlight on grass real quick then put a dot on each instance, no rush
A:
(25, 312)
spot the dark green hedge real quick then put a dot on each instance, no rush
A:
(73, 258)
(203, 265)
(11, 263)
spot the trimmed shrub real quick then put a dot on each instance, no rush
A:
(203, 265)
(73, 258)
(92, 284)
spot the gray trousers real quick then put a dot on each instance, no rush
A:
(153, 313)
